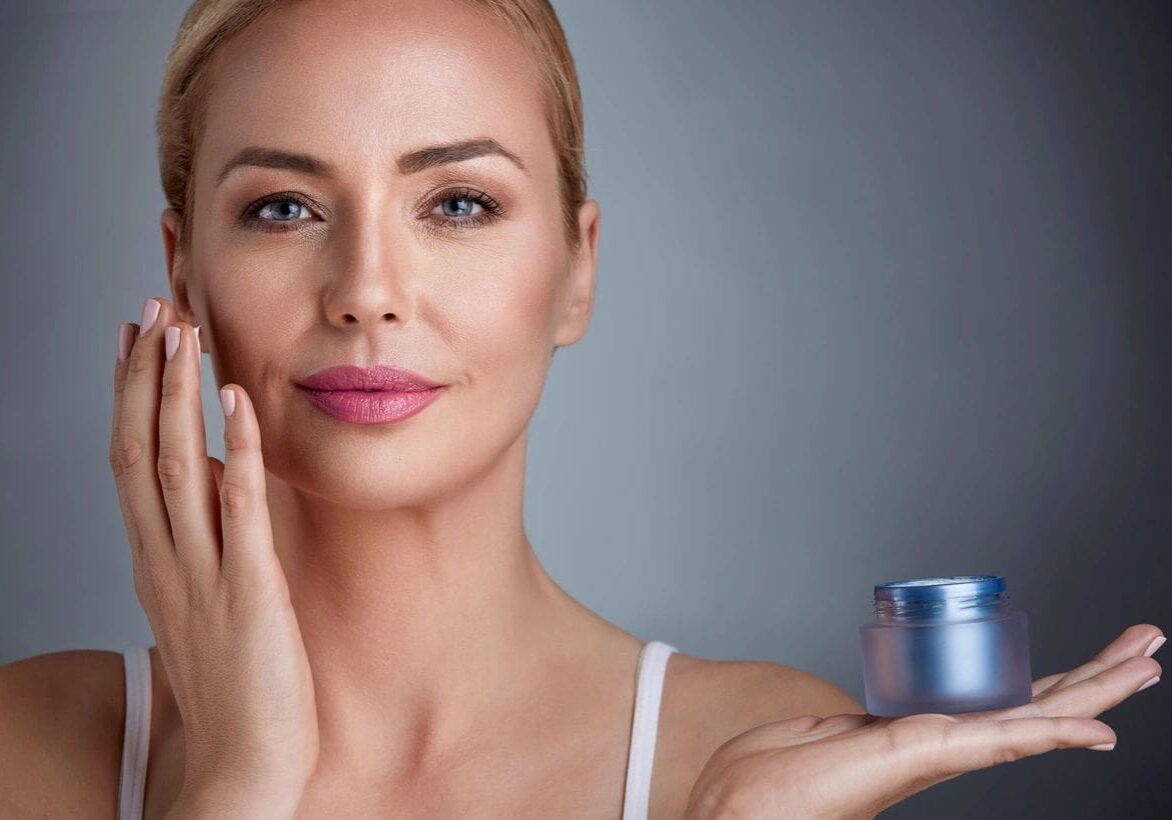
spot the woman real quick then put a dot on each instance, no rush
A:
(351, 621)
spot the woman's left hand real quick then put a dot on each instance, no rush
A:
(855, 766)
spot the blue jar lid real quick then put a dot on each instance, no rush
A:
(950, 597)
(938, 589)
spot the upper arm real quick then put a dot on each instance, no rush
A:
(60, 737)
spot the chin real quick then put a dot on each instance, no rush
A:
(362, 475)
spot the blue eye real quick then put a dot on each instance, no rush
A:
(285, 206)
(279, 218)
(280, 212)
(490, 209)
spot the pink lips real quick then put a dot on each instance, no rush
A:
(369, 395)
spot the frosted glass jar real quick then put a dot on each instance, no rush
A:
(948, 644)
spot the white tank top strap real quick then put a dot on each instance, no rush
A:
(645, 727)
(652, 667)
(136, 734)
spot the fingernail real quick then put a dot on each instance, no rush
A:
(125, 340)
(170, 341)
(227, 400)
(197, 327)
(1152, 682)
(150, 312)
(1156, 643)
(1102, 747)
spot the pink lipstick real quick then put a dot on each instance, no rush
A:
(369, 395)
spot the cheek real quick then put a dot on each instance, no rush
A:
(252, 315)
(501, 320)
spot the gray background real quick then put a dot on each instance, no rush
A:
(884, 286)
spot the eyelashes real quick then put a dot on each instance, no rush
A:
(491, 211)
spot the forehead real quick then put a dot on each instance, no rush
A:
(362, 81)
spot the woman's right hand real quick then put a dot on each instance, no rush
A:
(207, 574)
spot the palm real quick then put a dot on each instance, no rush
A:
(853, 765)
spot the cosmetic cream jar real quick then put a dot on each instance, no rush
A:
(945, 645)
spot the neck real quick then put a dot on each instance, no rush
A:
(424, 626)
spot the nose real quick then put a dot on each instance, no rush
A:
(368, 287)
(361, 311)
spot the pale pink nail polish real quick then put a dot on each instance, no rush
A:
(227, 400)
(1152, 682)
(1102, 747)
(170, 341)
(125, 340)
(150, 312)
(1156, 643)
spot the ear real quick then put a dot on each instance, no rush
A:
(177, 265)
(575, 317)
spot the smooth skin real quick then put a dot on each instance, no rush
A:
(449, 670)
(838, 766)
(209, 580)
(449, 674)
(854, 766)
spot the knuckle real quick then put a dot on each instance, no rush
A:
(138, 364)
(235, 498)
(115, 461)
(172, 471)
(172, 387)
(234, 441)
(126, 452)
(1006, 751)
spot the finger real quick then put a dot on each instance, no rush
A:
(1132, 642)
(1040, 685)
(121, 452)
(248, 559)
(878, 766)
(944, 748)
(913, 753)
(134, 450)
(1095, 695)
(186, 481)
(128, 333)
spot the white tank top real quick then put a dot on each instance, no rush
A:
(640, 756)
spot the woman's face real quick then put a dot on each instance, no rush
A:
(376, 259)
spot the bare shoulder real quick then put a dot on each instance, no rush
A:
(61, 719)
(708, 702)
(753, 692)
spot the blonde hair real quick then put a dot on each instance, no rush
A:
(208, 23)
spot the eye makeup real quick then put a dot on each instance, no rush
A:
(491, 210)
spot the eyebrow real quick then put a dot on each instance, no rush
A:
(410, 163)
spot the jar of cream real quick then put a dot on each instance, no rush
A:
(945, 645)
